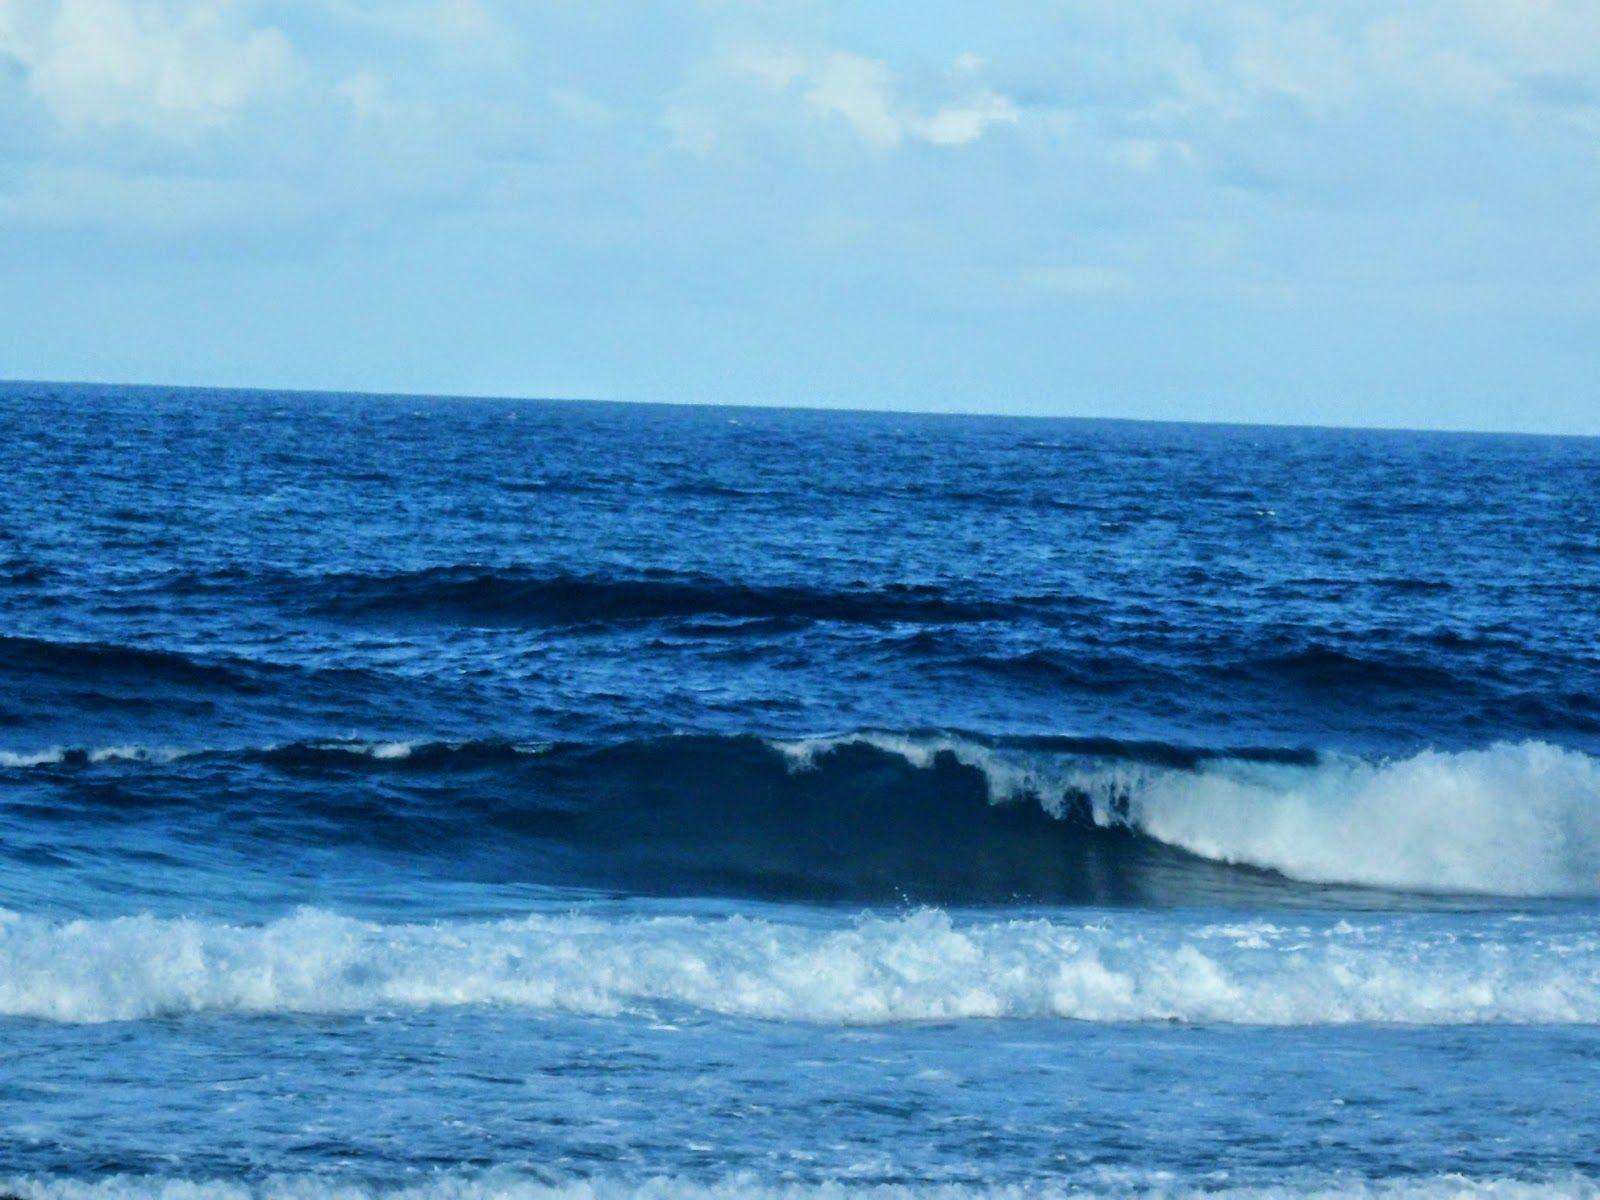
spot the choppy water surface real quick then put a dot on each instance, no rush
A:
(491, 800)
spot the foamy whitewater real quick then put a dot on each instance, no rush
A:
(924, 966)
(746, 1187)
(417, 799)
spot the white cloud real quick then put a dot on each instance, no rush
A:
(1301, 141)
(956, 124)
(861, 92)
(1459, 54)
(168, 66)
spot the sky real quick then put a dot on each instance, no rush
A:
(1331, 212)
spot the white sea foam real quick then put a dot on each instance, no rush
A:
(31, 758)
(1510, 820)
(403, 750)
(165, 754)
(926, 965)
(1513, 819)
(97, 754)
(379, 750)
(507, 1186)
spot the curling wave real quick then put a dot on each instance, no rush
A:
(920, 966)
(1513, 819)
(921, 817)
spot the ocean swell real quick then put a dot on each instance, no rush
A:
(524, 596)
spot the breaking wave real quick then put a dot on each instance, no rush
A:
(920, 966)
(1513, 819)
(920, 817)
(59, 755)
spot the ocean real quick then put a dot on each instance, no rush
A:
(496, 800)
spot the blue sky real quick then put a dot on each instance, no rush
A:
(1344, 213)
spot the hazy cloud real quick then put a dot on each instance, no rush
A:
(861, 92)
(167, 66)
(770, 166)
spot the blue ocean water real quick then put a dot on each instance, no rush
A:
(498, 800)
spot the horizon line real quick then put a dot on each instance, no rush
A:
(770, 406)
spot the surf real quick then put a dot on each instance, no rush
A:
(881, 816)
(925, 965)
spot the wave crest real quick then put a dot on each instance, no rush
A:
(1512, 819)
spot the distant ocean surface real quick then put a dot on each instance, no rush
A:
(485, 800)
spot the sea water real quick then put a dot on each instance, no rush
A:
(481, 800)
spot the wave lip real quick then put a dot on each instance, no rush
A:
(1513, 819)
(919, 966)
(90, 755)
(1510, 820)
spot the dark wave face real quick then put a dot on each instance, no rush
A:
(678, 816)
(518, 597)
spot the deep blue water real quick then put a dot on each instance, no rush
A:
(493, 800)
